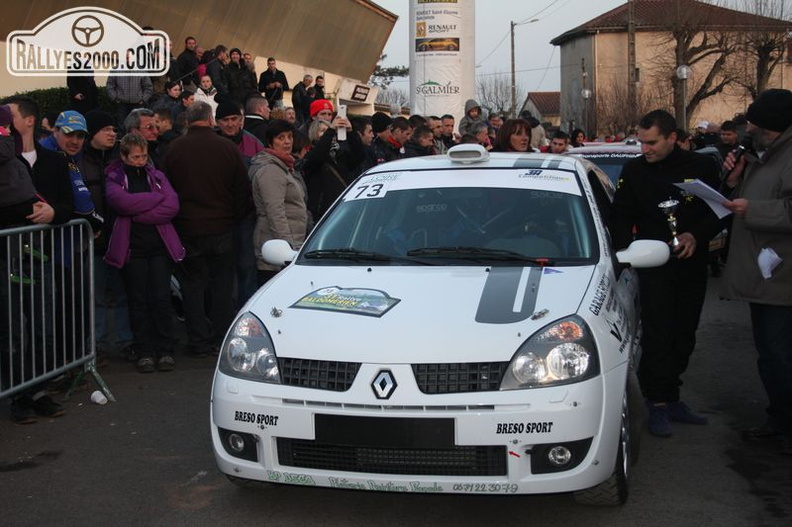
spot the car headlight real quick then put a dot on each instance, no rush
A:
(561, 353)
(248, 351)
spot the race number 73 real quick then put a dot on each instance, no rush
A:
(368, 191)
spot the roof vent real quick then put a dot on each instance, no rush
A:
(468, 153)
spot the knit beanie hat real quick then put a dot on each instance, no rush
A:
(380, 122)
(226, 108)
(96, 120)
(772, 110)
(320, 104)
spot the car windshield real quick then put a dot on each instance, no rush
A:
(455, 226)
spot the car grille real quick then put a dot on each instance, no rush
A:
(318, 374)
(459, 377)
(449, 461)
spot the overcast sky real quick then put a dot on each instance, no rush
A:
(536, 61)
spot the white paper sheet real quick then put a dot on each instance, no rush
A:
(712, 197)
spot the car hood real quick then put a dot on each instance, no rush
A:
(404, 315)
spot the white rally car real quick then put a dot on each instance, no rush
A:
(455, 324)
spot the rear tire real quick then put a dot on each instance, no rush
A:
(614, 490)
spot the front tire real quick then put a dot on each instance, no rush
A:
(614, 490)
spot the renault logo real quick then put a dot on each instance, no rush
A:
(384, 384)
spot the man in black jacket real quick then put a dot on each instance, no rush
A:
(272, 83)
(50, 175)
(187, 63)
(672, 295)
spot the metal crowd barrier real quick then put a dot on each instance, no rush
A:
(47, 306)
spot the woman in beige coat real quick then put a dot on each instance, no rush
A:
(279, 195)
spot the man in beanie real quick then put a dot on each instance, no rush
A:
(671, 295)
(99, 151)
(384, 147)
(230, 123)
(759, 268)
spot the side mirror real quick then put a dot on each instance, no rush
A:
(644, 253)
(278, 252)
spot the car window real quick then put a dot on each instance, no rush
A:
(530, 222)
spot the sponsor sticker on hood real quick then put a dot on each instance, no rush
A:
(369, 302)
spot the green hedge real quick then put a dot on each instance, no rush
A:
(56, 100)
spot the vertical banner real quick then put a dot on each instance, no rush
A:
(442, 56)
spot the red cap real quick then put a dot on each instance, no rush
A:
(321, 104)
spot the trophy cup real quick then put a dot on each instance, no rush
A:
(669, 208)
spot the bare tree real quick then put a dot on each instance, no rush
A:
(698, 43)
(613, 111)
(494, 93)
(764, 44)
(392, 97)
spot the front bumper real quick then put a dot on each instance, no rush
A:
(484, 443)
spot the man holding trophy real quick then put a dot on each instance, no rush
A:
(761, 240)
(648, 205)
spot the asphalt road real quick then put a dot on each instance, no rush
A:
(147, 460)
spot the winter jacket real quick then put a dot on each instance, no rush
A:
(50, 175)
(130, 90)
(209, 175)
(413, 149)
(642, 186)
(467, 121)
(329, 168)
(280, 204)
(15, 184)
(241, 82)
(767, 224)
(157, 208)
(92, 166)
(207, 97)
(83, 204)
(273, 94)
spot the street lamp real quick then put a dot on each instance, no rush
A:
(586, 94)
(683, 74)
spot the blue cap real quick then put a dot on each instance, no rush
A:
(70, 121)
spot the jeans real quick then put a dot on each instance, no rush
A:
(107, 279)
(151, 313)
(773, 339)
(206, 276)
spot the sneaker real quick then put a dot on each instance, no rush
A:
(146, 365)
(680, 412)
(45, 406)
(659, 421)
(166, 363)
(130, 353)
(22, 412)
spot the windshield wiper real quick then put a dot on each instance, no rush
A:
(356, 255)
(480, 253)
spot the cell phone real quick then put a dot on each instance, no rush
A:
(341, 133)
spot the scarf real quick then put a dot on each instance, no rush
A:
(287, 159)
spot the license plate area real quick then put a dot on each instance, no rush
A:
(388, 432)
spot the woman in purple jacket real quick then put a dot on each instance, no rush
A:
(144, 245)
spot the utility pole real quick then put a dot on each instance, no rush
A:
(632, 81)
(513, 76)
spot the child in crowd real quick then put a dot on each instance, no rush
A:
(472, 116)
(144, 245)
